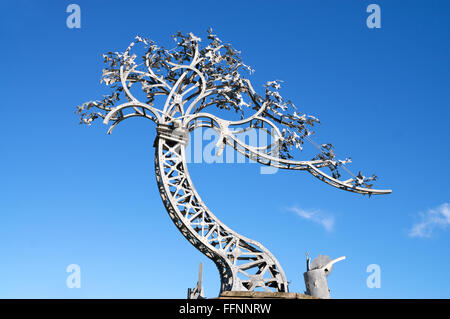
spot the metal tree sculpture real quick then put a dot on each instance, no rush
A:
(190, 79)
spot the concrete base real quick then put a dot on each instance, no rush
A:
(263, 295)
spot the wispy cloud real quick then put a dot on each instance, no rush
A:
(316, 216)
(433, 219)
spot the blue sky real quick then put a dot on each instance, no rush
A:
(71, 194)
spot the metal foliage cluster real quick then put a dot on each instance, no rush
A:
(208, 76)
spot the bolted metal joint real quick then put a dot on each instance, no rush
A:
(173, 132)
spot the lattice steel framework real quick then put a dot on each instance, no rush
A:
(192, 79)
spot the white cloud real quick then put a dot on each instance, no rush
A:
(326, 221)
(433, 219)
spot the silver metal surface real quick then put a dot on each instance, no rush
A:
(183, 82)
(198, 291)
(316, 275)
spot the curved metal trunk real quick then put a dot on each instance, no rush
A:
(243, 264)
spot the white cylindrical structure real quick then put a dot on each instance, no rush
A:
(316, 283)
